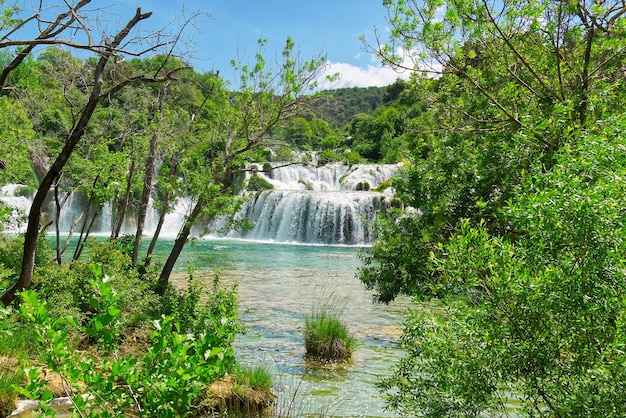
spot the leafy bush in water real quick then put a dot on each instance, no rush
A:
(217, 315)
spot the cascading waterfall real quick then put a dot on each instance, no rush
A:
(331, 204)
(10, 196)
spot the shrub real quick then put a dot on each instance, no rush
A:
(256, 183)
(68, 291)
(169, 379)
(13, 348)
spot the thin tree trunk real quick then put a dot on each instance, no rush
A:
(585, 78)
(70, 233)
(81, 244)
(77, 250)
(57, 215)
(120, 212)
(166, 203)
(179, 244)
(148, 180)
(59, 205)
(165, 206)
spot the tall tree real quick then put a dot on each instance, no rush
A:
(516, 235)
(110, 48)
(240, 123)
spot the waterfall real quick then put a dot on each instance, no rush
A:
(312, 217)
(331, 204)
(9, 195)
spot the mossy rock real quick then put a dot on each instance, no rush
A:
(385, 184)
(307, 183)
(258, 184)
(363, 186)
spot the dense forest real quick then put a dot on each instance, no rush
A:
(512, 134)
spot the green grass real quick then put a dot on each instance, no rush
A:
(326, 335)
(257, 377)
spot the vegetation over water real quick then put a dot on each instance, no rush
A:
(326, 335)
(516, 163)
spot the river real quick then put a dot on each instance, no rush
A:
(278, 285)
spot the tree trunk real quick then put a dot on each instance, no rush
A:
(81, 243)
(148, 181)
(34, 217)
(57, 216)
(120, 212)
(83, 230)
(165, 205)
(179, 244)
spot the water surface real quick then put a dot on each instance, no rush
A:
(278, 285)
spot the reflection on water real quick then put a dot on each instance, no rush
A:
(278, 286)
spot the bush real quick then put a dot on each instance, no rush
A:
(256, 183)
(68, 291)
(217, 315)
(537, 315)
(169, 379)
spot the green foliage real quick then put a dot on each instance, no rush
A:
(517, 155)
(16, 132)
(125, 244)
(16, 342)
(204, 311)
(256, 183)
(255, 377)
(538, 315)
(168, 380)
(341, 105)
(69, 291)
(11, 257)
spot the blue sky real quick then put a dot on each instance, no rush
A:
(333, 26)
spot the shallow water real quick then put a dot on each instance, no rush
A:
(278, 285)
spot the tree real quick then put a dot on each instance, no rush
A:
(534, 319)
(15, 131)
(110, 48)
(515, 235)
(239, 123)
(511, 91)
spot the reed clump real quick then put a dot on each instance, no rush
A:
(326, 335)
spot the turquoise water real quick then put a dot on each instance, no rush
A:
(278, 285)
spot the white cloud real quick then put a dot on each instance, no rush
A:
(374, 74)
(354, 76)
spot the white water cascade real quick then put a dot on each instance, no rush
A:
(11, 197)
(331, 204)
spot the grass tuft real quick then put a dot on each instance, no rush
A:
(326, 335)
